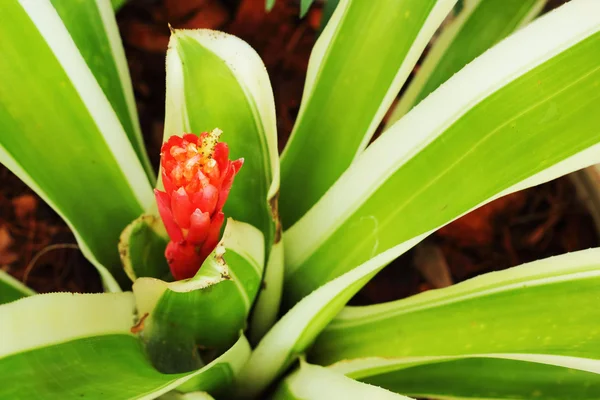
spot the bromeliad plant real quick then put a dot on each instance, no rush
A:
(521, 113)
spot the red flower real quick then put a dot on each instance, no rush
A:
(197, 175)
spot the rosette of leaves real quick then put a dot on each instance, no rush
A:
(485, 116)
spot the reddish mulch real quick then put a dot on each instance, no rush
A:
(536, 223)
(35, 244)
(539, 222)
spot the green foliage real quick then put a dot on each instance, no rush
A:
(422, 157)
(62, 136)
(332, 127)
(521, 112)
(88, 351)
(475, 29)
(314, 382)
(246, 115)
(182, 316)
(505, 318)
(93, 29)
(11, 289)
(141, 247)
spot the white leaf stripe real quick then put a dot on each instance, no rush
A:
(510, 59)
(51, 28)
(109, 282)
(578, 265)
(320, 383)
(176, 117)
(433, 21)
(366, 367)
(440, 48)
(116, 47)
(277, 349)
(8, 280)
(249, 71)
(241, 288)
(318, 54)
(63, 317)
(247, 241)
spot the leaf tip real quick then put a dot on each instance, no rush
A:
(304, 6)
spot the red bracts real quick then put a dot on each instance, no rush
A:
(197, 175)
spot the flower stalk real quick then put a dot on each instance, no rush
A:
(197, 175)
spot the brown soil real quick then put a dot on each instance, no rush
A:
(37, 247)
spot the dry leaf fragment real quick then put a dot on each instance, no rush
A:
(139, 326)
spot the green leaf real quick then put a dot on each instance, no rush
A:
(67, 346)
(511, 311)
(12, 289)
(266, 309)
(206, 311)
(304, 6)
(468, 340)
(117, 4)
(186, 396)
(62, 137)
(296, 330)
(215, 80)
(521, 114)
(311, 382)
(94, 30)
(353, 76)
(142, 249)
(480, 377)
(328, 9)
(479, 26)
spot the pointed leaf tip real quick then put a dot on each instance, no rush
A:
(304, 6)
(269, 4)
